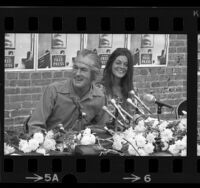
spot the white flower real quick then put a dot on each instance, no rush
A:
(166, 145)
(163, 125)
(140, 140)
(141, 123)
(155, 123)
(142, 152)
(117, 145)
(88, 139)
(119, 137)
(166, 135)
(41, 150)
(184, 139)
(49, 144)
(148, 148)
(39, 137)
(49, 135)
(129, 134)
(184, 121)
(151, 138)
(198, 150)
(33, 144)
(8, 149)
(180, 144)
(132, 151)
(173, 149)
(181, 126)
(78, 136)
(139, 128)
(24, 146)
(183, 152)
(87, 131)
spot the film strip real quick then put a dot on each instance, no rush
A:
(182, 24)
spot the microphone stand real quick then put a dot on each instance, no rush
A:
(159, 111)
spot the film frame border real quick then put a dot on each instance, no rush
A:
(82, 20)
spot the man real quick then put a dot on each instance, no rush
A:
(75, 102)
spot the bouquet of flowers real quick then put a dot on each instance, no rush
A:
(151, 136)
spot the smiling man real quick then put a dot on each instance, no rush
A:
(75, 102)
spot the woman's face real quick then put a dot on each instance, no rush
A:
(120, 66)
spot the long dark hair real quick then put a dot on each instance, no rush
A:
(108, 77)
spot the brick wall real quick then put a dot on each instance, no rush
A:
(23, 89)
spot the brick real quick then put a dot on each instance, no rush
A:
(40, 82)
(58, 75)
(24, 75)
(139, 78)
(20, 98)
(144, 72)
(171, 63)
(177, 43)
(12, 106)
(161, 71)
(36, 75)
(57, 80)
(172, 50)
(31, 90)
(36, 97)
(68, 74)
(19, 120)
(46, 75)
(181, 77)
(173, 36)
(177, 70)
(181, 49)
(12, 91)
(136, 71)
(12, 75)
(8, 121)
(155, 84)
(153, 71)
(164, 77)
(7, 114)
(15, 83)
(6, 83)
(6, 99)
(169, 70)
(173, 83)
(180, 36)
(21, 112)
(29, 104)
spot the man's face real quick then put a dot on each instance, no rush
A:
(82, 72)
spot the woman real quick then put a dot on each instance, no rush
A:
(118, 81)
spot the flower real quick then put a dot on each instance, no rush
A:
(33, 144)
(24, 146)
(49, 144)
(129, 134)
(117, 145)
(87, 131)
(49, 135)
(198, 150)
(180, 144)
(142, 152)
(8, 149)
(148, 148)
(78, 136)
(140, 128)
(132, 151)
(39, 137)
(140, 140)
(41, 150)
(88, 139)
(183, 152)
(151, 138)
(163, 125)
(166, 135)
(173, 149)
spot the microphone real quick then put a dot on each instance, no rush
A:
(150, 98)
(138, 99)
(106, 109)
(125, 111)
(131, 102)
(115, 105)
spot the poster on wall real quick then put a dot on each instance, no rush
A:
(147, 40)
(59, 41)
(10, 41)
(58, 60)
(9, 61)
(146, 59)
(105, 40)
(44, 60)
